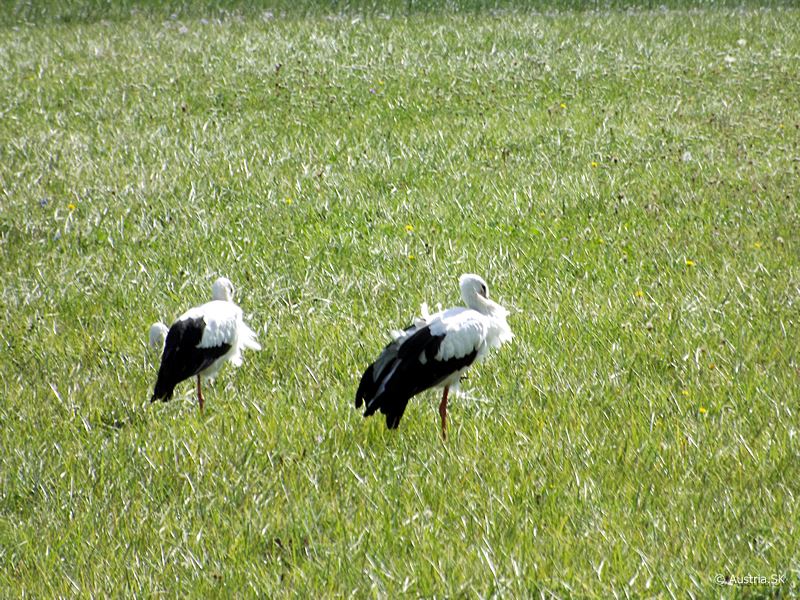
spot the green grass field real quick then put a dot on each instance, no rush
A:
(626, 181)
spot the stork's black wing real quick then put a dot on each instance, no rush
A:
(182, 358)
(406, 367)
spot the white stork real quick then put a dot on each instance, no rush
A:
(202, 340)
(436, 350)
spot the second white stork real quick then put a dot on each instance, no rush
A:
(435, 350)
(201, 340)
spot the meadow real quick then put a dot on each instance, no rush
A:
(625, 180)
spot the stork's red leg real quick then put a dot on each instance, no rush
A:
(199, 394)
(443, 412)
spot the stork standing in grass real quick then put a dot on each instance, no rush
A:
(202, 340)
(436, 350)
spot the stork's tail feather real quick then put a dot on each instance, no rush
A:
(385, 392)
(388, 404)
(249, 339)
(162, 391)
(393, 417)
(363, 391)
(370, 408)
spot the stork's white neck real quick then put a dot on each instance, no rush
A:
(473, 300)
(485, 306)
(477, 302)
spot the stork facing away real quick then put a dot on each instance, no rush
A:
(436, 350)
(201, 340)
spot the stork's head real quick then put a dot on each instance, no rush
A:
(222, 289)
(473, 289)
(158, 333)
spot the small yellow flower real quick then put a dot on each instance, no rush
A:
(71, 206)
(757, 245)
(410, 228)
(380, 82)
(410, 257)
(712, 366)
(689, 262)
(639, 294)
(594, 164)
(288, 201)
(563, 105)
(684, 392)
(702, 410)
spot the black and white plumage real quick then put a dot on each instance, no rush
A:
(436, 350)
(201, 340)
(158, 331)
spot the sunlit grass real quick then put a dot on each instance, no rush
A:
(627, 182)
